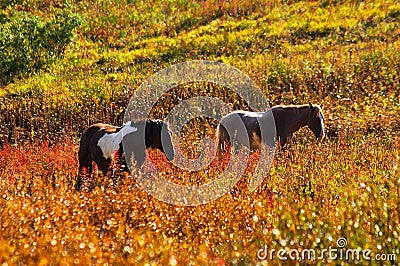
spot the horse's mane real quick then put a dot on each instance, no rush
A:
(147, 121)
(156, 122)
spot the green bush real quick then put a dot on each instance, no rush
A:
(28, 44)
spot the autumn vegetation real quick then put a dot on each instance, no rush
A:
(66, 65)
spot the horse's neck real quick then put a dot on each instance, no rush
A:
(297, 120)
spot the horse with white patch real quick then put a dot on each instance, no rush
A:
(103, 143)
(288, 119)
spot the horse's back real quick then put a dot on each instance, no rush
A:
(95, 130)
(107, 128)
(249, 119)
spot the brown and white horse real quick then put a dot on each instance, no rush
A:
(103, 143)
(288, 119)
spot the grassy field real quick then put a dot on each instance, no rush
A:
(344, 55)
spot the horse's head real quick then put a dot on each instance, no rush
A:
(315, 121)
(158, 135)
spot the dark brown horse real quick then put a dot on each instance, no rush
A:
(101, 143)
(288, 119)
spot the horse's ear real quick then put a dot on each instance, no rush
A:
(311, 106)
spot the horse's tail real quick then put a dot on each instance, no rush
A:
(223, 140)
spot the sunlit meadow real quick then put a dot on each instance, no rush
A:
(342, 54)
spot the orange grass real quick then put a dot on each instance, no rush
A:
(42, 214)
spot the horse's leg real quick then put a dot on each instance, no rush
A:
(224, 146)
(90, 168)
(124, 164)
(282, 141)
(283, 146)
(223, 140)
(104, 165)
(85, 167)
(116, 173)
(84, 178)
